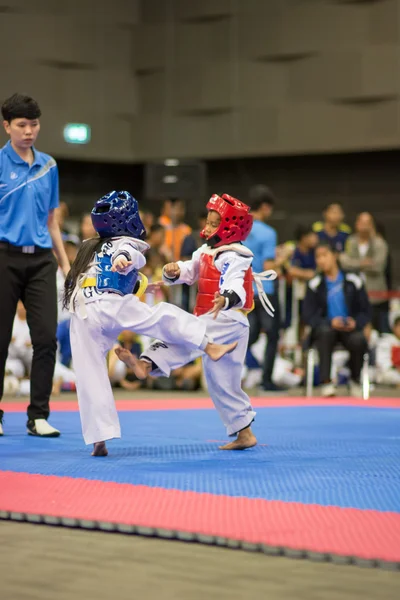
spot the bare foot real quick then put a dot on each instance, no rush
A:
(245, 439)
(99, 449)
(217, 351)
(141, 368)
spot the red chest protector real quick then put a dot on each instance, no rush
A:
(396, 356)
(208, 284)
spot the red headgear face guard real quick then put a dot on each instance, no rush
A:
(236, 222)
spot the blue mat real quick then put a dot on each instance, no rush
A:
(332, 456)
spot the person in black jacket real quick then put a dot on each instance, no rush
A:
(337, 309)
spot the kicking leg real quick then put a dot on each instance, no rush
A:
(164, 322)
(142, 367)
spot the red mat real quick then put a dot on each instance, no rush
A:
(206, 403)
(365, 534)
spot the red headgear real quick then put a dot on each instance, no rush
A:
(236, 222)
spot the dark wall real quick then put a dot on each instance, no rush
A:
(302, 184)
(81, 183)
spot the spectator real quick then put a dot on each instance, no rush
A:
(302, 268)
(193, 241)
(71, 245)
(165, 218)
(147, 219)
(153, 271)
(366, 254)
(332, 229)
(86, 229)
(64, 342)
(19, 361)
(381, 233)
(19, 358)
(28, 233)
(156, 241)
(303, 265)
(62, 214)
(176, 230)
(190, 244)
(262, 242)
(336, 307)
(388, 356)
(118, 372)
(189, 376)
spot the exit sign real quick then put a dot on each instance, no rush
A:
(77, 133)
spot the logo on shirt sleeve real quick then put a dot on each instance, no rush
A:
(224, 270)
(13, 175)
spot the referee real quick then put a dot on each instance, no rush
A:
(28, 233)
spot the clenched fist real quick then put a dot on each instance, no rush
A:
(172, 270)
(120, 264)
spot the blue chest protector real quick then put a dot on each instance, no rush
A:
(108, 281)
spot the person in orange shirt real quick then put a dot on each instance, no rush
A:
(176, 230)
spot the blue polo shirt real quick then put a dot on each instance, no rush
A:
(335, 297)
(27, 194)
(304, 260)
(338, 241)
(262, 242)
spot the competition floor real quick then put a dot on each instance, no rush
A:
(323, 483)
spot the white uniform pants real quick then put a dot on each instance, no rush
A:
(223, 377)
(389, 377)
(93, 337)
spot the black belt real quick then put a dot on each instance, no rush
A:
(23, 249)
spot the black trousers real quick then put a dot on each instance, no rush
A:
(326, 338)
(380, 317)
(260, 320)
(32, 279)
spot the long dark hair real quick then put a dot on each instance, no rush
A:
(80, 265)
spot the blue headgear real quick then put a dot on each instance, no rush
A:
(117, 214)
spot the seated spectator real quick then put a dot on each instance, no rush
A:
(366, 254)
(19, 361)
(303, 265)
(86, 229)
(153, 271)
(176, 230)
(302, 268)
(20, 351)
(193, 241)
(64, 379)
(188, 377)
(147, 218)
(285, 374)
(332, 229)
(118, 372)
(62, 214)
(381, 233)
(388, 356)
(64, 343)
(337, 309)
(71, 245)
(156, 241)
